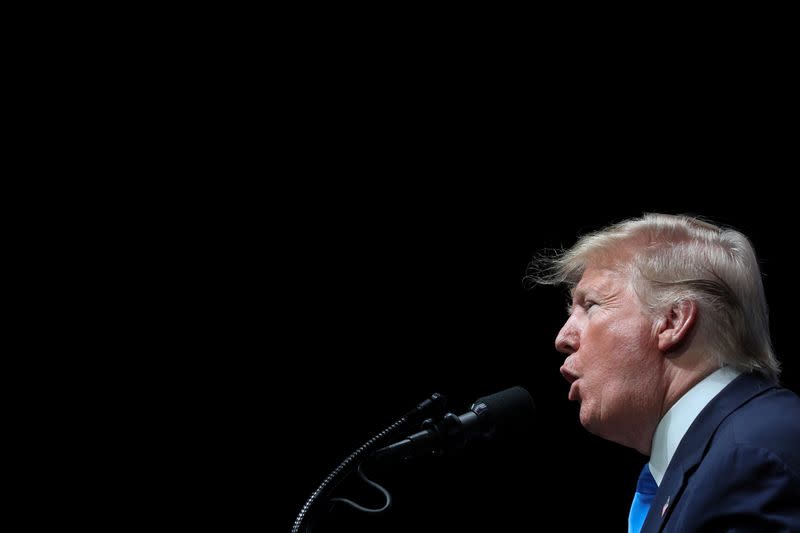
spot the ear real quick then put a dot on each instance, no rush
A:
(676, 325)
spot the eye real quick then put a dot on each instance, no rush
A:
(588, 304)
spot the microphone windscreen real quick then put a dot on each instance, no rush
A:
(509, 411)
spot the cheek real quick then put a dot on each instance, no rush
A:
(630, 345)
(614, 352)
(617, 365)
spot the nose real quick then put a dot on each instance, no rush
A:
(568, 339)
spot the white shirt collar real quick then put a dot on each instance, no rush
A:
(674, 425)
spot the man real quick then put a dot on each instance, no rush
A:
(668, 352)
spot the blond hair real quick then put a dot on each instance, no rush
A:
(670, 258)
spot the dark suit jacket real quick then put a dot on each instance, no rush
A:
(738, 466)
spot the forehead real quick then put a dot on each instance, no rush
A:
(599, 280)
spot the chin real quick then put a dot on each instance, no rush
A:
(605, 432)
(591, 423)
(586, 419)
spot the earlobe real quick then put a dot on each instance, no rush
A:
(676, 325)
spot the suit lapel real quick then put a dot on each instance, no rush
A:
(665, 500)
(694, 444)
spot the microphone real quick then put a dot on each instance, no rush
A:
(495, 416)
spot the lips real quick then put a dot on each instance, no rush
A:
(573, 392)
(572, 378)
(568, 374)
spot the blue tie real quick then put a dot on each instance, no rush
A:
(645, 492)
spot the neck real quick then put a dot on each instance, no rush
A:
(680, 375)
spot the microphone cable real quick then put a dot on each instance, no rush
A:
(435, 403)
(361, 508)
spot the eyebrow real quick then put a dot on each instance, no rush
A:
(577, 294)
(574, 295)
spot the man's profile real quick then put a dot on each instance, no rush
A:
(668, 352)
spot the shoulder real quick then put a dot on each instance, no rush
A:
(741, 488)
(766, 426)
(747, 477)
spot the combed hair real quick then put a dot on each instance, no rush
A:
(670, 258)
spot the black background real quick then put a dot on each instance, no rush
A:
(327, 227)
(385, 261)
(411, 292)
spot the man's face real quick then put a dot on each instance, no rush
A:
(614, 361)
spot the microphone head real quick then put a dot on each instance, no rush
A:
(505, 412)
